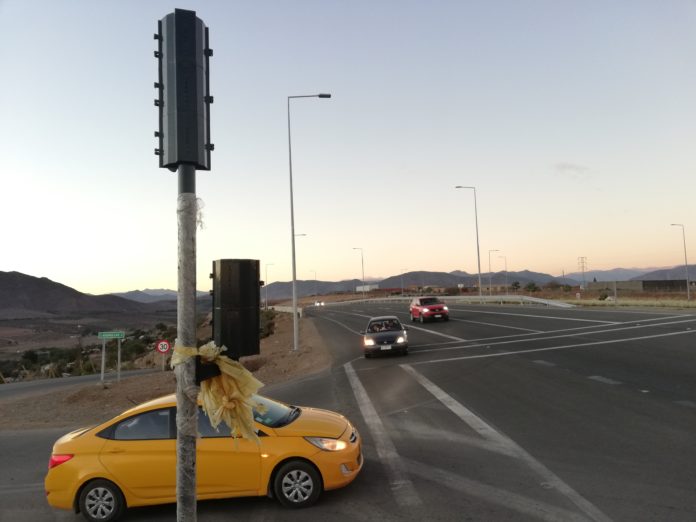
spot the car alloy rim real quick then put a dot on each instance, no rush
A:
(297, 486)
(100, 503)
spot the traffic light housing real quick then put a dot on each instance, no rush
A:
(236, 306)
(183, 91)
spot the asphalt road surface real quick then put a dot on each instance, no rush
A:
(503, 413)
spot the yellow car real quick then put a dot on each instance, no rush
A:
(130, 460)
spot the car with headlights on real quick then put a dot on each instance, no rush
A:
(385, 334)
(130, 460)
(425, 308)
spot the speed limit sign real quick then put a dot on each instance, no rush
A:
(162, 346)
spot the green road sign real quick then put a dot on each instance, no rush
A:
(111, 335)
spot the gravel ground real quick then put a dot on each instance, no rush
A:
(92, 404)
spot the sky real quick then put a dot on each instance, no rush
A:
(574, 120)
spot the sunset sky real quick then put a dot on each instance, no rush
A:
(574, 120)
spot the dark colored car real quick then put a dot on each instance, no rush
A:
(424, 308)
(385, 334)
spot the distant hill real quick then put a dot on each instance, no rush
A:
(29, 295)
(152, 296)
(615, 274)
(678, 272)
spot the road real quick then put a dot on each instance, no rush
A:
(502, 413)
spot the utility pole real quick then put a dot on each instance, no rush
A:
(184, 146)
(582, 264)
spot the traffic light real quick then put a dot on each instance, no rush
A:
(183, 91)
(236, 306)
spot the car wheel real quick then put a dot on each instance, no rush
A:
(297, 484)
(404, 351)
(367, 355)
(101, 501)
(422, 320)
(446, 318)
(413, 318)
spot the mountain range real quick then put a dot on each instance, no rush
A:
(23, 295)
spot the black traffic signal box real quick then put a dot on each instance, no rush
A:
(236, 306)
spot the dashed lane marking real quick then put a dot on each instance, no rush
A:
(604, 380)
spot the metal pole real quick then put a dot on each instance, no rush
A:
(506, 274)
(478, 251)
(489, 270)
(186, 389)
(362, 264)
(686, 263)
(103, 361)
(266, 284)
(118, 362)
(295, 321)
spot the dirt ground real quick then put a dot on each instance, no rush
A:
(93, 403)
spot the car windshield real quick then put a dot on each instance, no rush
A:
(385, 325)
(430, 301)
(273, 414)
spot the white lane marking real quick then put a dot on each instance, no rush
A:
(402, 488)
(604, 380)
(13, 489)
(496, 325)
(551, 348)
(490, 433)
(544, 363)
(688, 404)
(356, 332)
(411, 327)
(495, 496)
(536, 316)
(548, 337)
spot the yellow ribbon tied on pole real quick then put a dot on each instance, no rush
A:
(227, 397)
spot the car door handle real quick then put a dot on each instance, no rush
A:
(115, 450)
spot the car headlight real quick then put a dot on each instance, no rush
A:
(327, 444)
(369, 342)
(400, 340)
(445, 308)
(425, 310)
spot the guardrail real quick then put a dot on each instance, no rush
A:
(485, 299)
(457, 299)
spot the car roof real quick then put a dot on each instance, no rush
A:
(384, 318)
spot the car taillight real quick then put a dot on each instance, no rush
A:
(57, 460)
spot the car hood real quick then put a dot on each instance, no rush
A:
(313, 422)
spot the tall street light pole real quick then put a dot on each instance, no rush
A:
(295, 320)
(478, 251)
(686, 263)
(506, 285)
(265, 283)
(489, 269)
(362, 263)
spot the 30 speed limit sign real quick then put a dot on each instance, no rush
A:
(163, 346)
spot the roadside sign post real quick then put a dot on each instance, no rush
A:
(110, 335)
(163, 348)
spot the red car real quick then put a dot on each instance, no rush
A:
(423, 308)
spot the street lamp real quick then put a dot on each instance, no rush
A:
(506, 285)
(686, 263)
(295, 321)
(362, 263)
(489, 269)
(478, 252)
(265, 283)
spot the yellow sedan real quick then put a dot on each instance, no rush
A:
(130, 460)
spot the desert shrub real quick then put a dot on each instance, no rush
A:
(267, 321)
